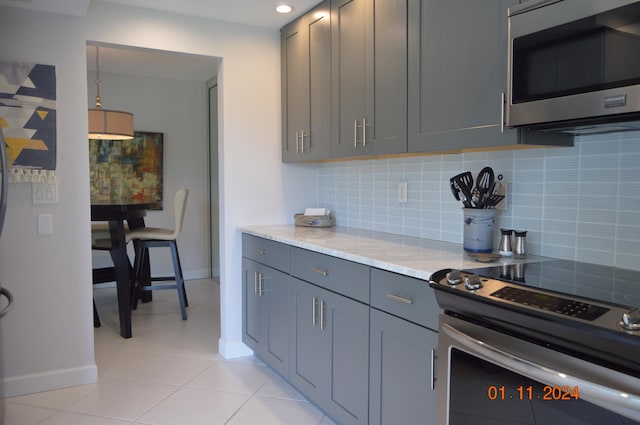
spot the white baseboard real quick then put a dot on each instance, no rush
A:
(232, 350)
(53, 380)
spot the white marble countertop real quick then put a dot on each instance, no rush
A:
(405, 255)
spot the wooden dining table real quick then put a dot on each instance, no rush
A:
(115, 213)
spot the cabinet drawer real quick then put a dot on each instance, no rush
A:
(406, 297)
(270, 253)
(338, 275)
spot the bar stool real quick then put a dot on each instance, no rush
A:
(101, 241)
(151, 237)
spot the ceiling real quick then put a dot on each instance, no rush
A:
(155, 63)
(249, 12)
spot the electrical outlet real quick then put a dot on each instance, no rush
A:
(402, 192)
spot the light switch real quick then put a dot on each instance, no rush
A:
(45, 193)
(45, 224)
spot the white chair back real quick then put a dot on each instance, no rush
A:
(179, 206)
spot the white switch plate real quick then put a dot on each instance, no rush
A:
(45, 193)
(45, 224)
(402, 192)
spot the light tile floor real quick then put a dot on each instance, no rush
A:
(169, 373)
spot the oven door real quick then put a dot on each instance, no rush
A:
(486, 377)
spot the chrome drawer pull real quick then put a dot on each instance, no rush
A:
(322, 272)
(261, 251)
(400, 298)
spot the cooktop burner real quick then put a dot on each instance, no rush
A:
(606, 284)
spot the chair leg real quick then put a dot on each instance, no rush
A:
(179, 279)
(96, 317)
(137, 269)
(184, 289)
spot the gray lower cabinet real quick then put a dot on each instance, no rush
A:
(330, 351)
(265, 325)
(404, 316)
(359, 342)
(401, 379)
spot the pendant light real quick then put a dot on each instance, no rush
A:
(108, 124)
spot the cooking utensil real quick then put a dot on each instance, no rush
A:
(492, 200)
(455, 190)
(464, 181)
(485, 180)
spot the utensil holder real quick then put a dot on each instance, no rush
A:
(478, 229)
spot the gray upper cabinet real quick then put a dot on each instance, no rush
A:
(306, 86)
(457, 77)
(369, 84)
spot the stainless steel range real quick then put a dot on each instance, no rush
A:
(554, 342)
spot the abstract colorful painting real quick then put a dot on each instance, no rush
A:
(122, 170)
(28, 114)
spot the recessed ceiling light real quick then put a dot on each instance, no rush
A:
(284, 8)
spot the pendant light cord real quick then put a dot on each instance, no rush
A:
(98, 98)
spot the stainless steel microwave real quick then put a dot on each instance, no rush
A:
(574, 66)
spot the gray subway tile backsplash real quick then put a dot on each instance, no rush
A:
(580, 203)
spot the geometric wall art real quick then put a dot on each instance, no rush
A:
(127, 170)
(28, 115)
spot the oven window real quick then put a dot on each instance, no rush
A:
(596, 53)
(482, 393)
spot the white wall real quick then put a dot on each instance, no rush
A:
(176, 108)
(47, 340)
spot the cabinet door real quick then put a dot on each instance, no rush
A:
(311, 345)
(387, 76)
(402, 356)
(330, 351)
(276, 307)
(265, 324)
(457, 74)
(369, 57)
(306, 86)
(253, 312)
(348, 324)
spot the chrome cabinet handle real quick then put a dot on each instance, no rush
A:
(261, 251)
(433, 368)
(255, 283)
(260, 286)
(313, 311)
(355, 134)
(323, 324)
(297, 146)
(400, 298)
(364, 132)
(320, 271)
(502, 106)
(302, 141)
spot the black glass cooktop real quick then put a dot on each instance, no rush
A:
(601, 283)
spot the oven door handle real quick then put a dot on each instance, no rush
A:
(619, 401)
